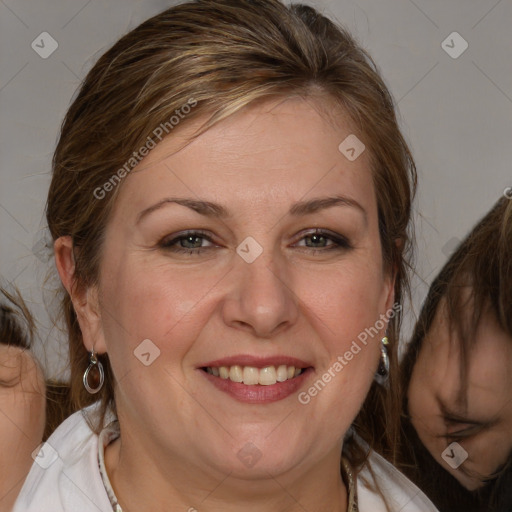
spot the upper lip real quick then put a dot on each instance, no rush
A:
(256, 361)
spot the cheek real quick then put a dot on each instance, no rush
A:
(22, 423)
(345, 303)
(33, 398)
(489, 450)
(151, 302)
(344, 308)
(428, 379)
(425, 414)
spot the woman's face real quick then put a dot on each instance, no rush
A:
(252, 252)
(22, 418)
(483, 425)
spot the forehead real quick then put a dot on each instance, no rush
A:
(269, 151)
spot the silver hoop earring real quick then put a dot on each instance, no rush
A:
(98, 379)
(382, 374)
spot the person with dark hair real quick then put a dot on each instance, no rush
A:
(22, 397)
(230, 207)
(457, 378)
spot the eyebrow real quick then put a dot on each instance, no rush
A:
(202, 207)
(453, 416)
(449, 413)
(299, 208)
(321, 203)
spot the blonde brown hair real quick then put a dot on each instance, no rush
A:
(221, 55)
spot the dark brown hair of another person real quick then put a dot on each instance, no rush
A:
(476, 278)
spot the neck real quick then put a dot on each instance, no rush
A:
(161, 481)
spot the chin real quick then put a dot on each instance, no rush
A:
(256, 460)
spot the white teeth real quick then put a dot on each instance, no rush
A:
(282, 373)
(236, 374)
(268, 376)
(250, 375)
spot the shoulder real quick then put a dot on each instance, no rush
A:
(379, 478)
(65, 474)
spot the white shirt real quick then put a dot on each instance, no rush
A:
(66, 477)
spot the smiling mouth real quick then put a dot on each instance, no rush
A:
(253, 376)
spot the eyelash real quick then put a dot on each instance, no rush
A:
(463, 433)
(8, 380)
(171, 244)
(9, 384)
(339, 242)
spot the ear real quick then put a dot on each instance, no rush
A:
(388, 296)
(85, 299)
(399, 243)
(390, 284)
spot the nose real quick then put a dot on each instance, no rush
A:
(261, 299)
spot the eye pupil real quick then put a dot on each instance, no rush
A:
(191, 242)
(315, 240)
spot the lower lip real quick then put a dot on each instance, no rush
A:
(259, 394)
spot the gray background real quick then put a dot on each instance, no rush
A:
(455, 112)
